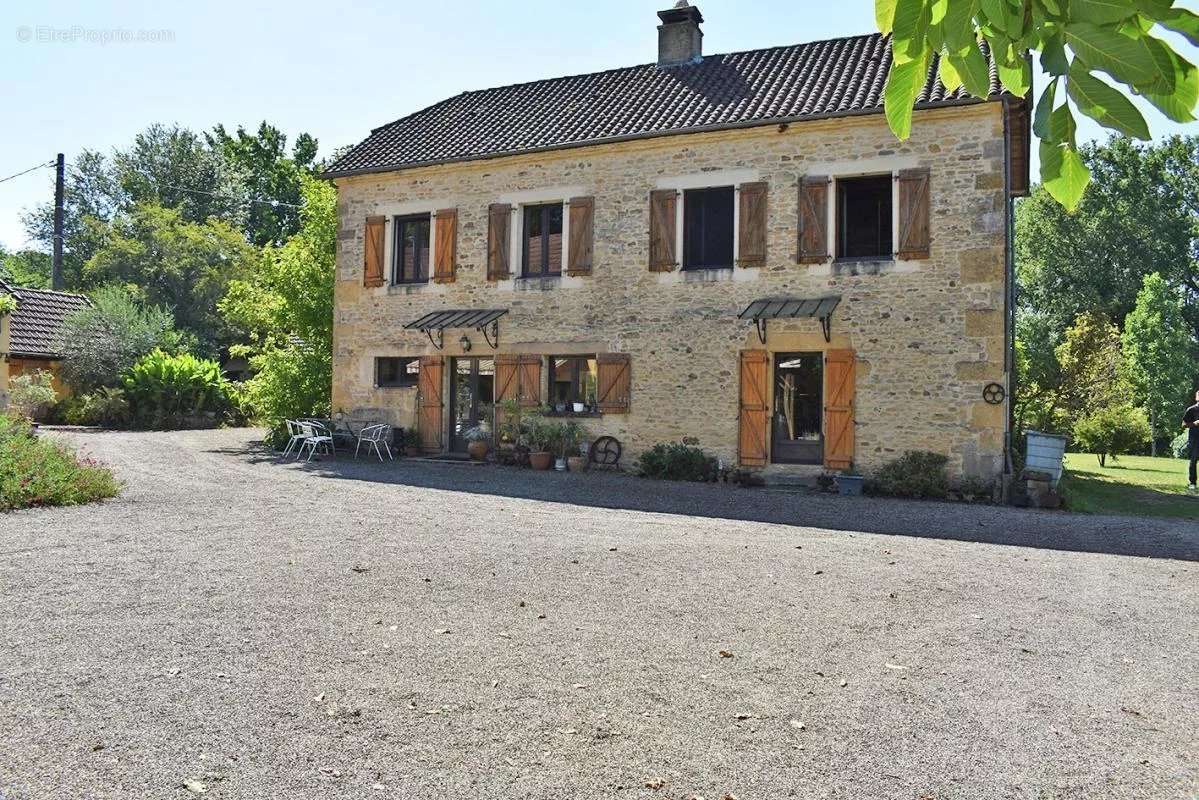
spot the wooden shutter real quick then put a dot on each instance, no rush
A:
(838, 409)
(499, 251)
(372, 268)
(614, 382)
(663, 204)
(751, 237)
(529, 380)
(582, 237)
(913, 214)
(506, 385)
(813, 219)
(430, 403)
(446, 259)
(754, 414)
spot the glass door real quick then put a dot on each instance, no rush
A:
(472, 398)
(797, 423)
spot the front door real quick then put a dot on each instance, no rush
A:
(472, 398)
(796, 428)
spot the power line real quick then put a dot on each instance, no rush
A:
(26, 171)
(272, 203)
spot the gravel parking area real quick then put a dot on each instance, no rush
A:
(249, 629)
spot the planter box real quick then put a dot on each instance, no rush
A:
(850, 485)
(1045, 452)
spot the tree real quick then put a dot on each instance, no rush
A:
(1157, 346)
(183, 266)
(100, 342)
(1075, 39)
(1140, 215)
(25, 268)
(1092, 367)
(286, 305)
(1112, 431)
(270, 180)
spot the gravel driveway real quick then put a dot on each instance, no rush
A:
(419, 630)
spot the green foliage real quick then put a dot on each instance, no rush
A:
(181, 265)
(36, 472)
(8, 304)
(1112, 430)
(1092, 367)
(106, 407)
(1075, 38)
(1157, 347)
(173, 391)
(676, 461)
(1181, 446)
(285, 304)
(31, 394)
(25, 268)
(101, 342)
(917, 473)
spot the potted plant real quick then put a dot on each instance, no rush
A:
(477, 442)
(579, 408)
(541, 437)
(849, 483)
(572, 435)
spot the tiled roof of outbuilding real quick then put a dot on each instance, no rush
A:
(837, 77)
(34, 327)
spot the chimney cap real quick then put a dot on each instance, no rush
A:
(681, 12)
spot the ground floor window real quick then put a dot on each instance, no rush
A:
(391, 371)
(573, 379)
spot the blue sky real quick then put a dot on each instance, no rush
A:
(332, 69)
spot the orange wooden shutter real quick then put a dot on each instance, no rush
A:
(913, 213)
(663, 204)
(430, 403)
(751, 437)
(613, 382)
(499, 253)
(372, 269)
(506, 385)
(751, 236)
(529, 380)
(446, 259)
(582, 245)
(838, 409)
(813, 219)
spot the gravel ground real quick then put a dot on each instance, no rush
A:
(420, 630)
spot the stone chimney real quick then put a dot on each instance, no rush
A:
(680, 41)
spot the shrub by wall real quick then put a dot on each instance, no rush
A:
(917, 474)
(37, 472)
(676, 461)
(166, 391)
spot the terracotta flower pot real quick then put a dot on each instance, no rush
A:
(541, 460)
(477, 450)
(576, 463)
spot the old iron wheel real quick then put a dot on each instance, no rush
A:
(606, 451)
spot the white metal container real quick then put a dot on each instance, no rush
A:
(1045, 452)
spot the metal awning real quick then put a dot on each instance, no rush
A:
(480, 320)
(791, 308)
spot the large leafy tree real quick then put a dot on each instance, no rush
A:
(1157, 346)
(1084, 45)
(269, 178)
(25, 268)
(181, 265)
(286, 305)
(1092, 367)
(1140, 216)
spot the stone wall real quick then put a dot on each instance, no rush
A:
(929, 334)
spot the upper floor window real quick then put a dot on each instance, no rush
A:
(411, 250)
(864, 217)
(542, 240)
(708, 228)
(392, 371)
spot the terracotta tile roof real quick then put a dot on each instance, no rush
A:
(34, 327)
(804, 81)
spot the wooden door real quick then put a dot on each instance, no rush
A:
(431, 403)
(751, 438)
(838, 409)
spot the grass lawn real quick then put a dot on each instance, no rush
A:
(1139, 485)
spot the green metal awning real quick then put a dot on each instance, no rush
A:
(479, 319)
(821, 308)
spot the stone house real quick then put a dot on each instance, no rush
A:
(30, 336)
(732, 248)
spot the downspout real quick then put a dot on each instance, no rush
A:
(1009, 296)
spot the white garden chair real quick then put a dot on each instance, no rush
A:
(373, 436)
(294, 436)
(316, 437)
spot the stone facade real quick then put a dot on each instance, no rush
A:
(928, 335)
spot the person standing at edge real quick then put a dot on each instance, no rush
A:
(1190, 421)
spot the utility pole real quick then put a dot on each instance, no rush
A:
(56, 264)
